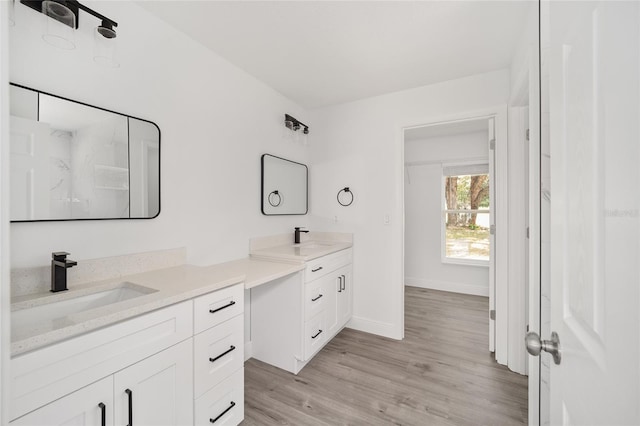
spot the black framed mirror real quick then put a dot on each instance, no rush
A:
(284, 189)
(74, 161)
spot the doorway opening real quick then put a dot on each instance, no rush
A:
(449, 208)
(455, 254)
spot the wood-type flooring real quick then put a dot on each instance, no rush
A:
(442, 373)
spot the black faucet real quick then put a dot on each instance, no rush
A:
(59, 266)
(296, 235)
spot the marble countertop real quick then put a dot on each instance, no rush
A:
(300, 252)
(160, 288)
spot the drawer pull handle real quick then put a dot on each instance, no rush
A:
(317, 334)
(103, 414)
(317, 269)
(344, 282)
(340, 284)
(233, 404)
(129, 393)
(222, 354)
(319, 296)
(213, 311)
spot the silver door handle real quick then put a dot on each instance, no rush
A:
(535, 345)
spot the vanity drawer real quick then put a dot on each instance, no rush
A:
(320, 267)
(218, 352)
(315, 298)
(214, 308)
(224, 404)
(315, 334)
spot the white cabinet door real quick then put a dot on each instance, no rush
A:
(89, 406)
(158, 390)
(345, 296)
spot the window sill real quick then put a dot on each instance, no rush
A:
(466, 262)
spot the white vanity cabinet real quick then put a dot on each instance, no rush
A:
(293, 318)
(89, 406)
(153, 369)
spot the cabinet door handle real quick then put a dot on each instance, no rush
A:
(231, 348)
(228, 305)
(103, 414)
(340, 284)
(129, 393)
(317, 334)
(233, 404)
(319, 296)
(344, 282)
(317, 269)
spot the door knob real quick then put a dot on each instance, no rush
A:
(535, 345)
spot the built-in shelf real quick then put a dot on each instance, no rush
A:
(111, 177)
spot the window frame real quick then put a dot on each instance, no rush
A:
(444, 211)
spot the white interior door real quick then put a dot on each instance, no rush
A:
(594, 263)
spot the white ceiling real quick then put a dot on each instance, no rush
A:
(322, 53)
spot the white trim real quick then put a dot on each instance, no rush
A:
(380, 328)
(450, 286)
(517, 359)
(492, 237)
(533, 363)
(466, 262)
(5, 263)
(501, 258)
(501, 209)
(248, 350)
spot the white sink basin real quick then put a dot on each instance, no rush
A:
(59, 310)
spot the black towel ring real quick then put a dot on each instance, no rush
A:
(346, 190)
(275, 198)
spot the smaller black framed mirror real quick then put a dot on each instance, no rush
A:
(284, 187)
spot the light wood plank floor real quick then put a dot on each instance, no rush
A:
(440, 374)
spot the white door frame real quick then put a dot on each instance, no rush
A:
(5, 308)
(500, 210)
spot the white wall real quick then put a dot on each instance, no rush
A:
(215, 123)
(359, 144)
(423, 214)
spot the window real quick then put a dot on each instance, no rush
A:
(466, 214)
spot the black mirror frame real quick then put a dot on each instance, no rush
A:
(262, 198)
(113, 112)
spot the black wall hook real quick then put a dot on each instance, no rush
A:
(346, 190)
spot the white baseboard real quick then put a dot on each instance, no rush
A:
(248, 350)
(383, 329)
(475, 290)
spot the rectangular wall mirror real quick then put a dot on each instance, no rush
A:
(284, 186)
(72, 161)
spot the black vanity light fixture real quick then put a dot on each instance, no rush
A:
(294, 124)
(67, 13)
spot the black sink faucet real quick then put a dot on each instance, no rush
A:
(59, 265)
(296, 235)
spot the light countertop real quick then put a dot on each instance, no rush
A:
(162, 287)
(300, 252)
